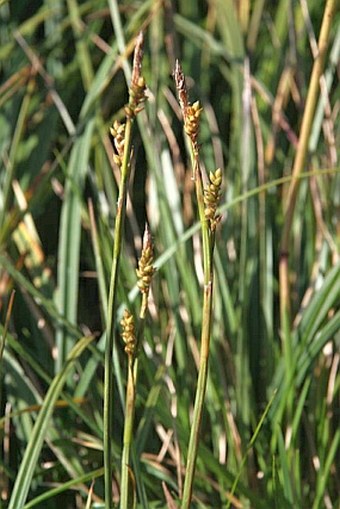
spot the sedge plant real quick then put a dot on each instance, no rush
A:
(260, 87)
(122, 140)
(207, 200)
(132, 340)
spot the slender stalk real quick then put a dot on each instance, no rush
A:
(199, 398)
(108, 375)
(205, 342)
(123, 147)
(125, 492)
(207, 199)
(144, 272)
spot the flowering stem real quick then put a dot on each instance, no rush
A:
(108, 367)
(144, 272)
(207, 241)
(136, 97)
(207, 199)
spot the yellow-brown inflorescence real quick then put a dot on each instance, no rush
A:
(128, 333)
(212, 193)
(191, 112)
(118, 133)
(137, 87)
(192, 121)
(145, 269)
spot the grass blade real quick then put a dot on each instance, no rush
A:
(32, 452)
(69, 240)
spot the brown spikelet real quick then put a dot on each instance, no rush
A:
(191, 112)
(212, 193)
(118, 133)
(137, 86)
(181, 87)
(137, 59)
(145, 269)
(191, 121)
(128, 333)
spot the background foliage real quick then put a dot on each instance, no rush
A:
(64, 74)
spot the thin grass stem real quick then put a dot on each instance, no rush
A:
(126, 493)
(191, 115)
(122, 136)
(205, 342)
(144, 272)
(111, 306)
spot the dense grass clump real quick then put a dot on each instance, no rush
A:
(169, 254)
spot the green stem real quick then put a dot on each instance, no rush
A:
(207, 241)
(206, 234)
(199, 398)
(110, 326)
(125, 492)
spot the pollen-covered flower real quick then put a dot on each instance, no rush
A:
(212, 193)
(128, 333)
(145, 269)
(118, 133)
(192, 120)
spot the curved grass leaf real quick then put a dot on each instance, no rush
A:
(69, 239)
(33, 449)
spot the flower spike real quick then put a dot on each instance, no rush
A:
(191, 112)
(145, 269)
(212, 193)
(128, 333)
(137, 87)
(118, 133)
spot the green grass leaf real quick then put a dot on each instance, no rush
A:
(33, 449)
